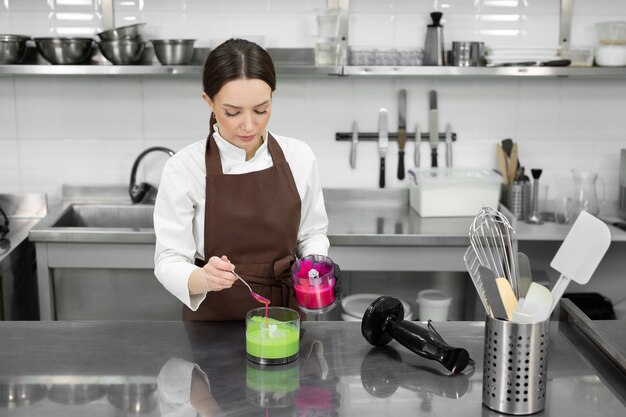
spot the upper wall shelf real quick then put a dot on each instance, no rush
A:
(489, 72)
(298, 62)
(156, 69)
(311, 70)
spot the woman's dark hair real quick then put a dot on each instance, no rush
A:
(236, 59)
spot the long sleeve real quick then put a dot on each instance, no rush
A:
(176, 246)
(314, 221)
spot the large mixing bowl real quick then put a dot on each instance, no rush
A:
(130, 32)
(173, 51)
(12, 49)
(122, 52)
(611, 33)
(64, 51)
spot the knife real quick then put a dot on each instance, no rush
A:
(619, 225)
(553, 63)
(433, 128)
(502, 167)
(418, 142)
(448, 145)
(513, 161)
(401, 132)
(355, 141)
(383, 144)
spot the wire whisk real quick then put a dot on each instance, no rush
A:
(493, 239)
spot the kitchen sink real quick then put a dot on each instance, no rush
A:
(106, 216)
(97, 223)
(88, 253)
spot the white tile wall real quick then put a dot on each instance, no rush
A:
(7, 109)
(46, 164)
(9, 166)
(94, 127)
(173, 109)
(60, 108)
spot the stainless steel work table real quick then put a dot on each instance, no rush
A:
(113, 368)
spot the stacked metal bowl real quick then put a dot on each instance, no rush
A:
(123, 45)
(64, 50)
(12, 49)
(173, 51)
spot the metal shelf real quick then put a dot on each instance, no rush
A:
(148, 70)
(305, 70)
(487, 72)
(288, 61)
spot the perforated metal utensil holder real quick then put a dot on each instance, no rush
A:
(515, 366)
(515, 199)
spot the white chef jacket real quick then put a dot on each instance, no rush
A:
(180, 203)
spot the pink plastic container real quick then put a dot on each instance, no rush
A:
(314, 283)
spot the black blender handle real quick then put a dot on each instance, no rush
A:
(421, 341)
(382, 173)
(383, 321)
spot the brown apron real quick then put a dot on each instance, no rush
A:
(253, 219)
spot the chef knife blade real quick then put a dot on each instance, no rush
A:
(401, 132)
(553, 63)
(433, 128)
(355, 141)
(383, 144)
(418, 142)
(448, 145)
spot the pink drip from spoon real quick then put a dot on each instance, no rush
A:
(256, 296)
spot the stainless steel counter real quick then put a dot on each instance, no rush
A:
(23, 211)
(372, 217)
(18, 277)
(107, 368)
(357, 217)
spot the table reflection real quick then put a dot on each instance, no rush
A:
(133, 398)
(383, 372)
(14, 395)
(31, 399)
(76, 393)
(318, 394)
(304, 387)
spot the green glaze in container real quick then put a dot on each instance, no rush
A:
(275, 340)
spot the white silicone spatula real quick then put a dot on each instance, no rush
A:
(535, 307)
(580, 253)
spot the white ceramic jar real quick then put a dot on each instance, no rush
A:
(611, 55)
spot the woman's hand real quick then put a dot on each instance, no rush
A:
(216, 275)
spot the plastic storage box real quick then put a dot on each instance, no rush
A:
(454, 192)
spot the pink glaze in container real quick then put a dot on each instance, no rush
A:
(315, 291)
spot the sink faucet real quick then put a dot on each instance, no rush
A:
(138, 192)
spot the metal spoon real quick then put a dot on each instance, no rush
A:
(256, 296)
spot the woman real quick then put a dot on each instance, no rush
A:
(242, 199)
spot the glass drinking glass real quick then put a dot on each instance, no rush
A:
(327, 53)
